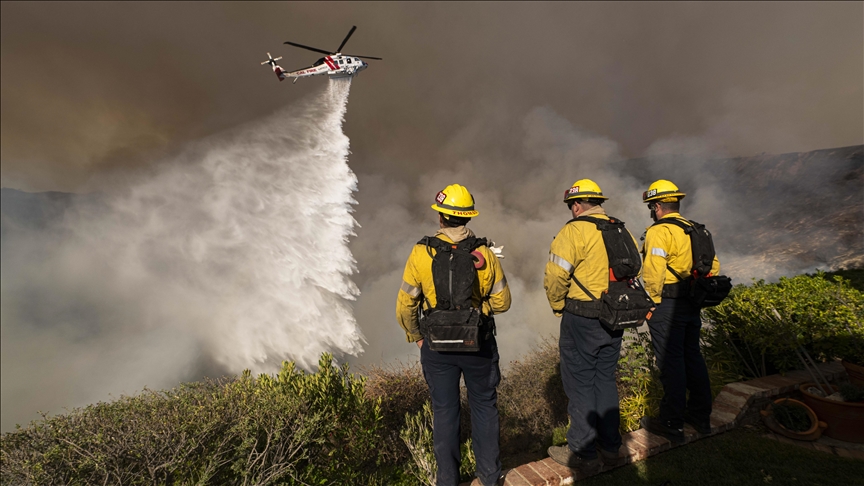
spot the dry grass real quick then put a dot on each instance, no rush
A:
(532, 400)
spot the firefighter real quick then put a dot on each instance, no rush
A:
(675, 323)
(589, 351)
(442, 370)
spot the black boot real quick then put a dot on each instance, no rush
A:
(657, 427)
(701, 426)
(566, 457)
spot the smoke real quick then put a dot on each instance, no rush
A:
(518, 184)
(459, 98)
(229, 255)
(765, 217)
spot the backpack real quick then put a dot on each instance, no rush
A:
(701, 289)
(454, 324)
(625, 304)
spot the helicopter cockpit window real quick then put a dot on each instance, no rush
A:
(349, 60)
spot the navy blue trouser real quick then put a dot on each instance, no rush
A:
(675, 326)
(481, 373)
(589, 357)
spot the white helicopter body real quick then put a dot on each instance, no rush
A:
(334, 64)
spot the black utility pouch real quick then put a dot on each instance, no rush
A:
(452, 330)
(710, 291)
(624, 307)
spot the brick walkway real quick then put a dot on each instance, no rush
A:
(736, 404)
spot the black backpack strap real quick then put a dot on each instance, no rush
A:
(589, 294)
(677, 275)
(589, 219)
(468, 244)
(600, 222)
(688, 228)
(471, 243)
(434, 242)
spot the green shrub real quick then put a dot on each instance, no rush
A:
(559, 434)
(765, 323)
(292, 428)
(639, 387)
(417, 436)
(332, 427)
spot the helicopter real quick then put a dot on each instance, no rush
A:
(334, 64)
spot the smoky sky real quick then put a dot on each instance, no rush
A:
(514, 100)
(90, 87)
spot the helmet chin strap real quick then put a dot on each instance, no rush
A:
(653, 208)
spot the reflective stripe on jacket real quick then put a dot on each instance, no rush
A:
(418, 286)
(667, 246)
(577, 250)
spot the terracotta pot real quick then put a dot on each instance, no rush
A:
(845, 419)
(855, 372)
(813, 433)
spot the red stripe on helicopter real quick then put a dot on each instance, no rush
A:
(330, 63)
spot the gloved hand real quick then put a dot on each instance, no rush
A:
(497, 250)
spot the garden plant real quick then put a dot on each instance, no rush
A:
(335, 427)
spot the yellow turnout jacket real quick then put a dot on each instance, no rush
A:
(577, 250)
(667, 246)
(417, 284)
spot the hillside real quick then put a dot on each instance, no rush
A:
(796, 211)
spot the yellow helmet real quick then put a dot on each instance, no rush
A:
(455, 200)
(584, 189)
(662, 191)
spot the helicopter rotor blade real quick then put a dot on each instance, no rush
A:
(353, 28)
(364, 57)
(322, 51)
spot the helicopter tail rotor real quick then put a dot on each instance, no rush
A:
(270, 60)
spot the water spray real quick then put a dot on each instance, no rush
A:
(234, 253)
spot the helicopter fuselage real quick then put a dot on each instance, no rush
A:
(335, 66)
